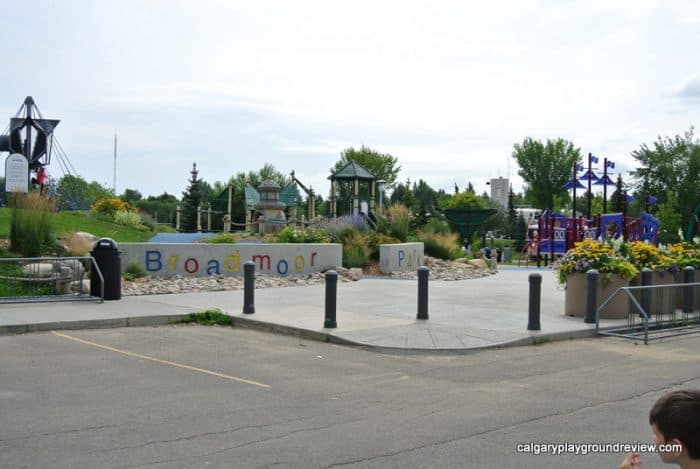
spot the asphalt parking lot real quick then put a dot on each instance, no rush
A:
(194, 396)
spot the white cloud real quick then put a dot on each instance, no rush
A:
(447, 87)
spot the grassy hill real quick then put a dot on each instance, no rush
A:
(72, 221)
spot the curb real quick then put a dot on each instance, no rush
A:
(138, 321)
(255, 324)
(534, 338)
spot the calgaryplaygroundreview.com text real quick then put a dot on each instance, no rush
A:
(588, 448)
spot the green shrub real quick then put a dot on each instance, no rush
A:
(316, 234)
(375, 238)
(437, 226)
(30, 230)
(355, 250)
(134, 270)
(443, 246)
(165, 229)
(128, 218)
(398, 222)
(210, 317)
(147, 220)
(463, 200)
(291, 235)
(221, 238)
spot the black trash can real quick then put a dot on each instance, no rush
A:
(108, 259)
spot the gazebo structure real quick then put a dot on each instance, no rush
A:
(355, 186)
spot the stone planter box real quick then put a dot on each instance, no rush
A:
(400, 257)
(663, 300)
(679, 293)
(576, 291)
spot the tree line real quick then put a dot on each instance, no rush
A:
(668, 169)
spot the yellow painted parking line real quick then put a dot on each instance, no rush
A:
(162, 362)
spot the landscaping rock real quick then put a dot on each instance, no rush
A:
(478, 263)
(75, 286)
(440, 270)
(353, 274)
(38, 270)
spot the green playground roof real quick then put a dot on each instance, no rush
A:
(352, 170)
(252, 196)
(289, 195)
(467, 221)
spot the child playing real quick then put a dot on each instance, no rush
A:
(675, 420)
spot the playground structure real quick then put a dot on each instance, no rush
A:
(30, 136)
(29, 141)
(551, 234)
(353, 190)
(267, 209)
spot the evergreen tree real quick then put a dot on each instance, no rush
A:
(403, 194)
(192, 198)
(617, 199)
(512, 214)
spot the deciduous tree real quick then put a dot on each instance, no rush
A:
(383, 166)
(670, 165)
(545, 168)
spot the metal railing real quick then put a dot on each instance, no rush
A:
(656, 311)
(47, 279)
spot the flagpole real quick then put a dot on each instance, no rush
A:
(573, 213)
(590, 158)
(605, 184)
(114, 180)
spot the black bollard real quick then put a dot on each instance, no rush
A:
(591, 296)
(533, 309)
(331, 293)
(249, 287)
(688, 296)
(646, 292)
(423, 274)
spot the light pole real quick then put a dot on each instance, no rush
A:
(381, 183)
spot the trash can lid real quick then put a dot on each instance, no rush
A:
(105, 243)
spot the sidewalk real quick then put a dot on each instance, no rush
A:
(374, 313)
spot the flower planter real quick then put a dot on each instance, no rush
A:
(679, 293)
(576, 291)
(663, 300)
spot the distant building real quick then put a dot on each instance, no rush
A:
(527, 212)
(499, 190)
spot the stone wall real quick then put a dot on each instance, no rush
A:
(400, 257)
(200, 260)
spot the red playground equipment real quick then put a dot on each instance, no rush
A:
(551, 234)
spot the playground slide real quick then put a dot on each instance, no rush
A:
(693, 225)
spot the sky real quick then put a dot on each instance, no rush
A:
(447, 87)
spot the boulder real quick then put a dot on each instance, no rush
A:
(353, 274)
(76, 267)
(81, 243)
(63, 280)
(38, 270)
(478, 263)
(75, 287)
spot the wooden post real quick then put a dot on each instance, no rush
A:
(356, 201)
(333, 201)
(209, 217)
